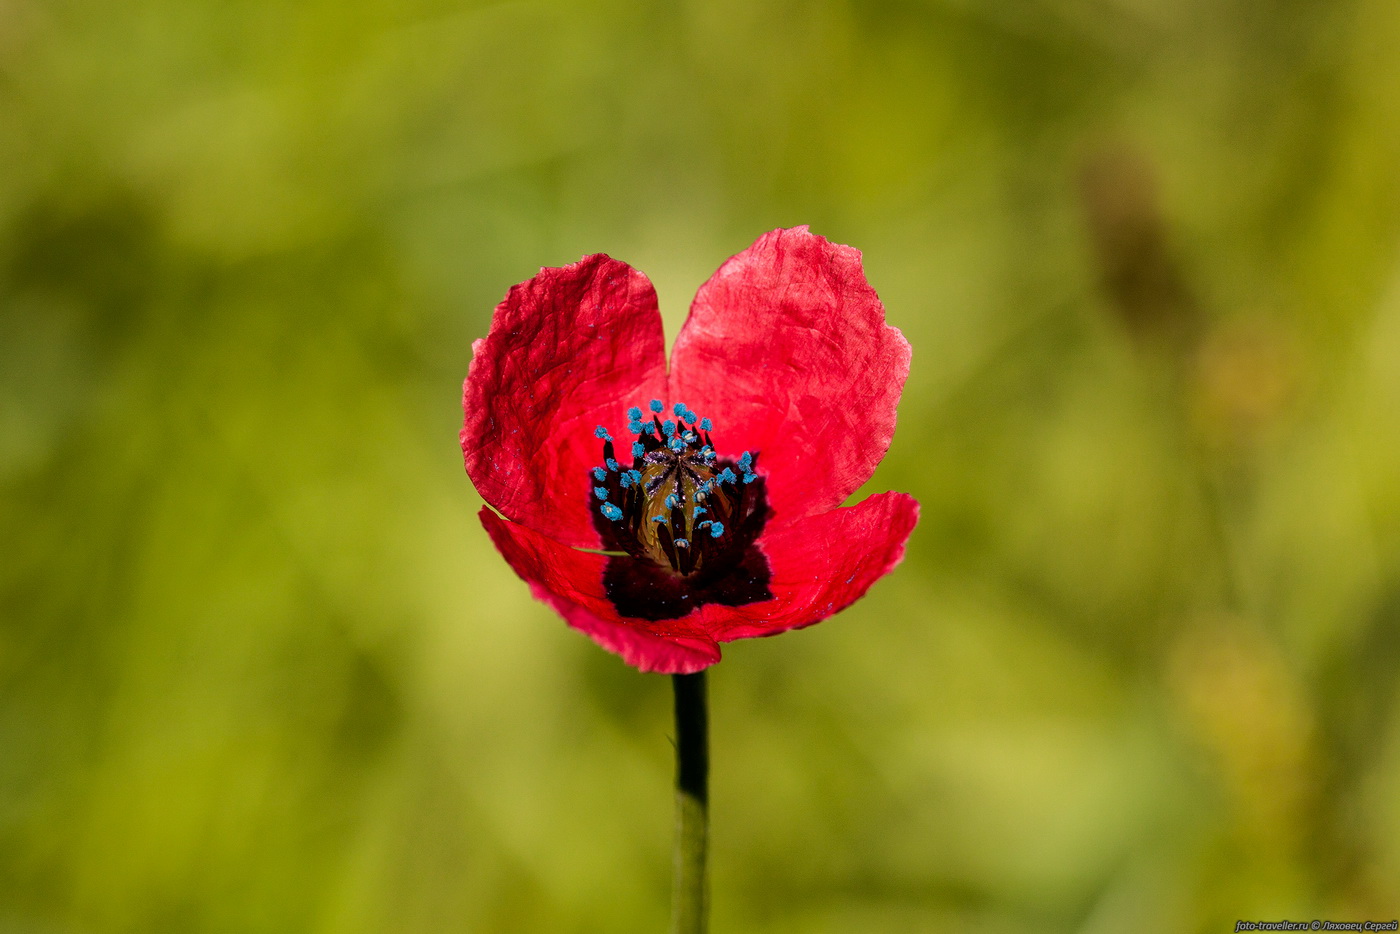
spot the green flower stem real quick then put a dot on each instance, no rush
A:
(690, 896)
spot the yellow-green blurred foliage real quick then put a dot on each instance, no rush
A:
(261, 670)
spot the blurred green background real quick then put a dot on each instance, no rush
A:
(261, 670)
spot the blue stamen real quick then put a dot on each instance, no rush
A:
(626, 479)
(668, 428)
(690, 416)
(689, 436)
(636, 476)
(706, 425)
(716, 529)
(638, 449)
(635, 427)
(601, 432)
(656, 405)
(612, 465)
(634, 414)
(727, 476)
(671, 501)
(682, 543)
(660, 519)
(676, 444)
(750, 477)
(599, 474)
(601, 493)
(699, 511)
(745, 461)
(679, 409)
(611, 512)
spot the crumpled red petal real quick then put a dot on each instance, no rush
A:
(568, 350)
(571, 582)
(787, 347)
(821, 565)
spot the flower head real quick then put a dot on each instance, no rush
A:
(662, 513)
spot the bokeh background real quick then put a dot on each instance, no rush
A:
(261, 670)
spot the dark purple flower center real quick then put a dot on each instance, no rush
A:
(676, 502)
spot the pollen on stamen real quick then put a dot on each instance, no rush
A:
(675, 471)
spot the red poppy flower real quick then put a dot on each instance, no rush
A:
(663, 513)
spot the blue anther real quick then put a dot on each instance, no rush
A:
(626, 479)
(636, 476)
(682, 543)
(635, 427)
(611, 512)
(690, 416)
(671, 501)
(599, 474)
(727, 476)
(716, 529)
(745, 461)
(601, 432)
(676, 444)
(656, 405)
(679, 409)
(601, 493)
(612, 465)
(660, 519)
(699, 511)
(750, 477)
(706, 425)
(634, 414)
(668, 428)
(706, 451)
(689, 436)
(638, 449)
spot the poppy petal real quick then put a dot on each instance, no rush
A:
(821, 565)
(787, 344)
(566, 351)
(571, 582)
